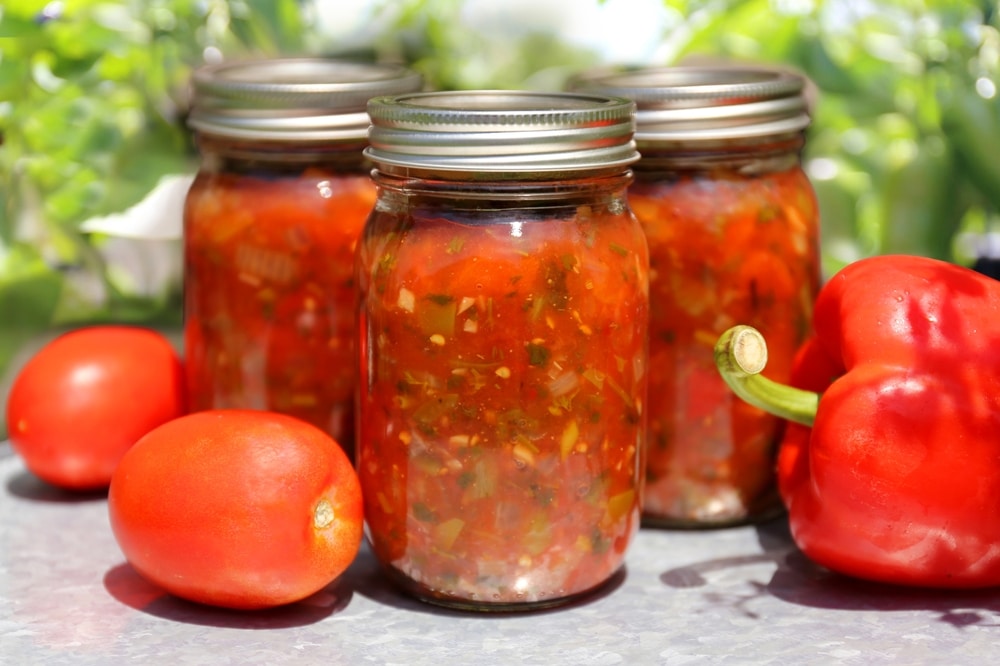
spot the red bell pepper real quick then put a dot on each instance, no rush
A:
(890, 464)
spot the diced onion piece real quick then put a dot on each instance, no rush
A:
(563, 384)
(459, 440)
(406, 301)
(569, 437)
(523, 454)
(466, 303)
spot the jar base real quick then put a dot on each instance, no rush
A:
(762, 511)
(451, 602)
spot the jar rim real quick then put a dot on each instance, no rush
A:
(292, 99)
(506, 131)
(705, 102)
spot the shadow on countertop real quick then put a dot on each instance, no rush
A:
(797, 580)
(363, 578)
(129, 588)
(26, 485)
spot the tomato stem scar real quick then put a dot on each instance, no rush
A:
(323, 515)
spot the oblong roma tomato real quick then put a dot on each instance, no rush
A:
(237, 508)
(87, 396)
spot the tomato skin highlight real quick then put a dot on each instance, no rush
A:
(237, 508)
(86, 397)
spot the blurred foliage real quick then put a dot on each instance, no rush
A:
(904, 150)
(92, 100)
(431, 36)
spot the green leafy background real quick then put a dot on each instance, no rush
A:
(904, 151)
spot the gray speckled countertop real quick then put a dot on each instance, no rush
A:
(734, 596)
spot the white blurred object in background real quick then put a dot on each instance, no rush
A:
(160, 216)
(142, 250)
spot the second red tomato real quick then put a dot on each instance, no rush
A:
(85, 398)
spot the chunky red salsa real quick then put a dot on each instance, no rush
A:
(269, 290)
(724, 249)
(502, 400)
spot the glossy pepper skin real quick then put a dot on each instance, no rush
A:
(898, 479)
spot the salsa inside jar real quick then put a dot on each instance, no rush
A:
(725, 248)
(503, 380)
(269, 292)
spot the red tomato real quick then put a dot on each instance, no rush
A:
(237, 508)
(87, 396)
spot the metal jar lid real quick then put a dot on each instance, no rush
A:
(292, 99)
(500, 131)
(706, 103)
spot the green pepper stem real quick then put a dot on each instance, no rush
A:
(740, 356)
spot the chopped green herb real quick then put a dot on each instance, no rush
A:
(440, 299)
(538, 354)
(423, 513)
(555, 281)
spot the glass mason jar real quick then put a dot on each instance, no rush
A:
(732, 225)
(270, 228)
(503, 315)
